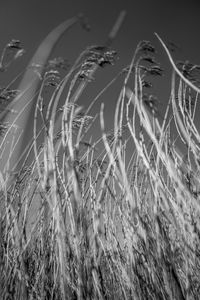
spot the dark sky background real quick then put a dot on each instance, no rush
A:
(174, 20)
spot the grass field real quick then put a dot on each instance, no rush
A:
(111, 218)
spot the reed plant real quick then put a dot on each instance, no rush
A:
(109, 218)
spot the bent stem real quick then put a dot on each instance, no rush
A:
(17, 122)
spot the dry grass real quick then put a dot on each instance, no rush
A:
(116, 223)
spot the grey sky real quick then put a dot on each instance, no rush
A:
(175, 20)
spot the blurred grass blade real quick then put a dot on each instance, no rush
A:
(18, 121)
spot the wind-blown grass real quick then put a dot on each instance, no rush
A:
(114, 218)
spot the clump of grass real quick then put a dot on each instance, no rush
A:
(114, 218)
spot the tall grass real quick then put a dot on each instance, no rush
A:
(114, 218)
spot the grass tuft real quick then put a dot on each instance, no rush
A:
(109, 218)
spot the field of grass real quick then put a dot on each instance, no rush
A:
(113, 218)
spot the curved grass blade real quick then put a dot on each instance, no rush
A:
(11, 142)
